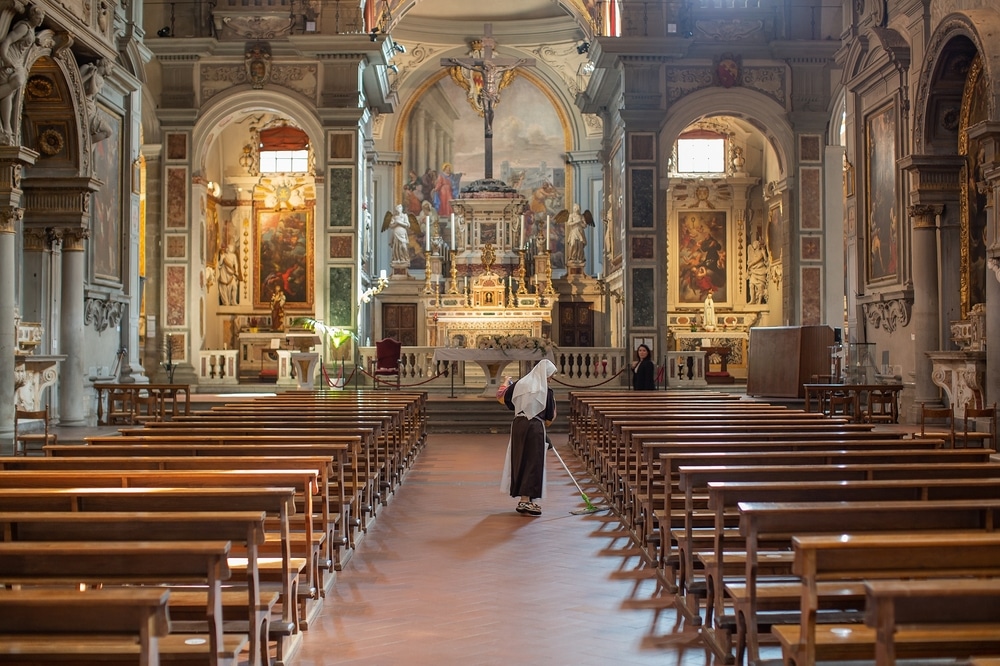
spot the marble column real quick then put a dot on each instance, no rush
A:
(926, 304)
(9, 219)
(13, 159)
(72, 395)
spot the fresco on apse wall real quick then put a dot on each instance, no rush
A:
(528, 148)
(106, 242)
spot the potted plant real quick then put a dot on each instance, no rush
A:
(337, 336)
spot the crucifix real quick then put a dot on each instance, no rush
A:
(490, 68)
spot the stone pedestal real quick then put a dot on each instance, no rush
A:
(962, 375)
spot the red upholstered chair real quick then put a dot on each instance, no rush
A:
(387, 353)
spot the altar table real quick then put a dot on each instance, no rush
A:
(492, 361)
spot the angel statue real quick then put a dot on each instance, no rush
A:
(576, 238)
(399, 243)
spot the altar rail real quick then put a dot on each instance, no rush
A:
(578, 367)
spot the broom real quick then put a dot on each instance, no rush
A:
(589, 507)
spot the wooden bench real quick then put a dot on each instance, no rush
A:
(277, 503)
(725, 564)
(79, 627)
(128, 563)
(335, 482)
(654, 488)
(953, 617)
(771, 526)
(284, 573)
(239, 527)
(866, 557)
(695, 471)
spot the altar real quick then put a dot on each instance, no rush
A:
(492, 361)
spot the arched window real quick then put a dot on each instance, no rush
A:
(284, 150)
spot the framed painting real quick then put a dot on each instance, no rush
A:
(702, 248)
(283, 257)
(880, 195)
(106, 209)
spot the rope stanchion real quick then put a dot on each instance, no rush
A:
(421, 383)
(589, 386)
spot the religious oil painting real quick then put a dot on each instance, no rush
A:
(975, 191)
(528, 152)
(881, 224)
(702, 241)
(283, 258)
(106, 241)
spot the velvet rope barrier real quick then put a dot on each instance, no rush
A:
(574, 386)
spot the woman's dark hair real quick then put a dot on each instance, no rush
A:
(646, 347)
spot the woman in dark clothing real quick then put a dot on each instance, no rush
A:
(534, 406)
(643, 370)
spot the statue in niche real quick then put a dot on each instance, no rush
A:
(13, 69)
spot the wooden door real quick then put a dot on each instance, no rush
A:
(399, 321)
(576, 324)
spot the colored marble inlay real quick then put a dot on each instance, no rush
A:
(341, 184)
(341, 297)
(642, 297)
(642, 198)
(176, 294)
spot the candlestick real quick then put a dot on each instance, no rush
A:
(548, 233)
(453, 230)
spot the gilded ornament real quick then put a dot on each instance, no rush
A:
(51, 142)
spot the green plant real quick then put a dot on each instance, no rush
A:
(335, 334)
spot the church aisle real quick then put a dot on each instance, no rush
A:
(450, 574)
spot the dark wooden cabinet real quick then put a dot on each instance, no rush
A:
(783, 358)
(399, 321)
(576, 324)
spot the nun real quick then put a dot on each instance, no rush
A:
(534, 407)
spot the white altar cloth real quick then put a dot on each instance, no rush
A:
(492, 361)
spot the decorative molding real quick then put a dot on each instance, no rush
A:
(102, 313)
(889, 315)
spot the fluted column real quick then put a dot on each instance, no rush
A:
(72, 395)
(926, 303)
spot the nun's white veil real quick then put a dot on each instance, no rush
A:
(531, 391)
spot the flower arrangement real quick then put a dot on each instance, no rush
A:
(516, 341)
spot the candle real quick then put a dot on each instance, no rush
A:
(548, 233)
(453, 230)
(467, 283)
(381, 274)
(427, 235)
(522, 230)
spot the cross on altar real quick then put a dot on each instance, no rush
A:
(490, 68)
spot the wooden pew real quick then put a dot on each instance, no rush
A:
(239, 527)
(333, 521)
(127, 563)
(82, 627)
(370, 470)
(933, 618)
(728, 550)
(655, 482)
(276, 502)
(772, 525)
(304, 481)
(875, 556)
(695, 470)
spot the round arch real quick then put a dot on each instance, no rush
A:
(767, 116)
(979, 26)
(223, 110)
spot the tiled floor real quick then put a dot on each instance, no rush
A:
(450, 574)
